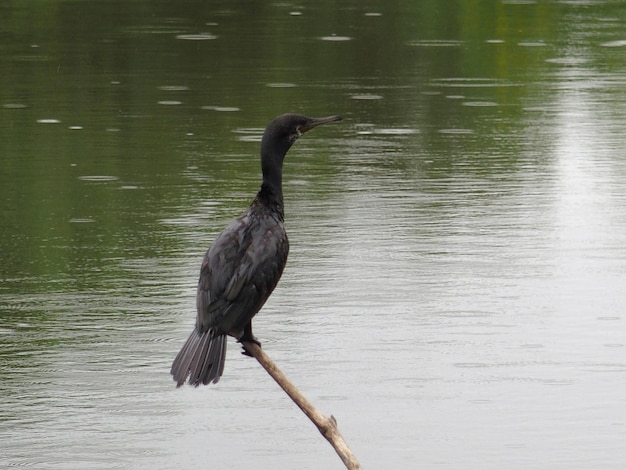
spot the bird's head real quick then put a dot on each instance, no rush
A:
(279, 136)
(284, 130)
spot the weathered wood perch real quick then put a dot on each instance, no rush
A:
(327, 426)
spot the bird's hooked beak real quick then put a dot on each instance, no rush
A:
(314, 122)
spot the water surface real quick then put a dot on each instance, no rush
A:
(454, 294)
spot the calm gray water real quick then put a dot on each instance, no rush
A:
(455, 290)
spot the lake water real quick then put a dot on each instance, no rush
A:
(455, 293)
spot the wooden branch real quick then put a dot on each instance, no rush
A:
(327, 426)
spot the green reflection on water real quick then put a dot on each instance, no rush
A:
(118, 121)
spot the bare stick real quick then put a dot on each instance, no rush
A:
(327, 426)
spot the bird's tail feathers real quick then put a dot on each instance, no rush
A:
(201, 359)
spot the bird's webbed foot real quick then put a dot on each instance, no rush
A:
(248, 337)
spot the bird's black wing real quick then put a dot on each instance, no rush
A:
(239, 272)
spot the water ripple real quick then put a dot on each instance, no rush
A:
(196, 37)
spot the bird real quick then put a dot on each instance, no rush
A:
(244, 263)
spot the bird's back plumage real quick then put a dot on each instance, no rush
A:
(239, 272)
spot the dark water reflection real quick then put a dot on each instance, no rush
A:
(454, 294)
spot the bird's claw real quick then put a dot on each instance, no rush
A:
(245, 351)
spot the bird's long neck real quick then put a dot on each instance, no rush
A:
(271, 193)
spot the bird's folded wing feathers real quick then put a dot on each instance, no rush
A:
(238, 271)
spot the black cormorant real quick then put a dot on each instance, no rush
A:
(244, 263)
